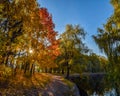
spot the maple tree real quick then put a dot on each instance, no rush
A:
(43, 42)
(49, 37)
(48, 27)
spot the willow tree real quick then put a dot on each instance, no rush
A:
(116, 5)
(108, 40)
(71, 45)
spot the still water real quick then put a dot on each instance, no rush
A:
(107, 93)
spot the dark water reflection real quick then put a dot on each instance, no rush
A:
(92, 84)
(106, 93)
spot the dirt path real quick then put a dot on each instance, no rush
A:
(59, 88)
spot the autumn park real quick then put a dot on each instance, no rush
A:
(36, 60)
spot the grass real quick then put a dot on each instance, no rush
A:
(23, 85)
(26, 85)
(68, 83)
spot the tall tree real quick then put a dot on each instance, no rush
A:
(11, 29)
(108, 40)
(71, 45)
(27, 35)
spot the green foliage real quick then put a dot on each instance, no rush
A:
(71, 46)
(108, 40)
(68, 83)
(90, 63)
(116, 5)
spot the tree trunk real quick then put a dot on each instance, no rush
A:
(68, 71)
(63, 71)
(26, 67)
(46, 70)
(31, 69)
(6, 60)
(49, 70)
(117, 90)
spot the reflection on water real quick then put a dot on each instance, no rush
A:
(107, 93)
(110, 93)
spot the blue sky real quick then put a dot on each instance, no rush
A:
(89, 14)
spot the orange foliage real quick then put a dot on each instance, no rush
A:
(48, 27)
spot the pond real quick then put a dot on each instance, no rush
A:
(107, 93)
(92, 84)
